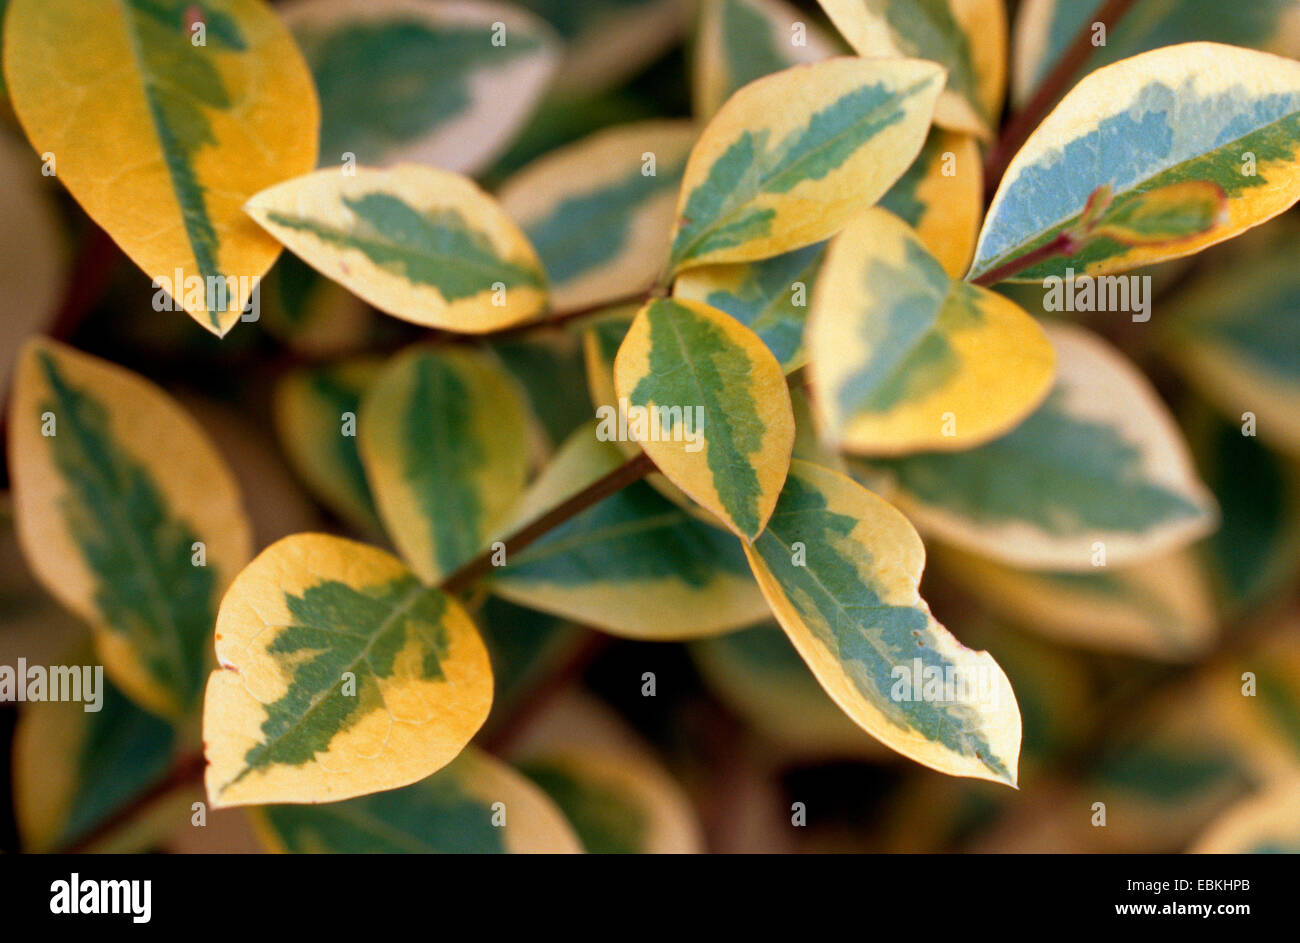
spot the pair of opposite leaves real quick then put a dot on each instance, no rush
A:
(753, 223)
(196, 152)
(341, 673)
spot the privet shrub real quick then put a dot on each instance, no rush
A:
(808, 340)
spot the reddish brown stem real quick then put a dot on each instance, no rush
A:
(564, 318)
(632, 470)
(188, 771)
(1065, 243)
(1049, 90)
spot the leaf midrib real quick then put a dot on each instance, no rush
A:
(1051, 230)
(398, 612)
(742, 200)
(351, 240)
(146, 84)
(168, 630)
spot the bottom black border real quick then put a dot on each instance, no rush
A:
(913, 893)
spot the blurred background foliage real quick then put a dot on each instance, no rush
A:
(737, 722)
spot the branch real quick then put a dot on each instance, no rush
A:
(187, 771)
(630, 471)
(1065, 243)
(564, 318)
(1050, 89)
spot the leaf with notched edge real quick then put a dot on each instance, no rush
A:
(341, 674)
(113, 525)
(840, 569)
(725, 427)
(424, 245)
(195, 130)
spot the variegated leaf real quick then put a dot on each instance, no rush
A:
(442, 437)
(942, 197)
(1099, 474)
(1264, 824)
(905, 359)
(791, 157)
(1256, 696)
(618, 804)
(77, 764)
(127, 514)
(1194, 112)
(340, 675)
(168, 175)
(758, 674)
(599, 212)
(623, 564)
(1055, 688)
(709, 404)
(440, 83)
(939, 196)
(1241, 350)
(1254, 555)
(316, 411)
(840, 569)
(609, 40)
(1043, 28)
(770, 297)
(738, 41)
(600, 343)
(1164, 215)
(424, 245)
(477, 805)
(313, 316)
(966, 37)
(1161, 608)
